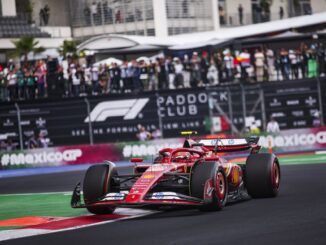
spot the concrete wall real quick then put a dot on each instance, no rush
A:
(8, 7)
(318, 6)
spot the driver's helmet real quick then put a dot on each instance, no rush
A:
(181, 156)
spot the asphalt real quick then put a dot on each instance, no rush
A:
(296, 216)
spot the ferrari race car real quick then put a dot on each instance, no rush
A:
(194, 175)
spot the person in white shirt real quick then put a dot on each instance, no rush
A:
(272, 126)
(212, 74)
(178, 68)
(12, 85)
(259, 62)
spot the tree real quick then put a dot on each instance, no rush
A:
(69, 47)
(25, 45)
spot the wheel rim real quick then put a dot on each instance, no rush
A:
(275, 175)
(220, 186)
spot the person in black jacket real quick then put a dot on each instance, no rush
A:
(115, 77)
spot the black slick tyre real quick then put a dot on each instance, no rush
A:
(262, 175)
(210, 174)
(98, 182)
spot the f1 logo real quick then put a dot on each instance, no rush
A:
(129, 109)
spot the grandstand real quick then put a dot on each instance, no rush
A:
(13, 26)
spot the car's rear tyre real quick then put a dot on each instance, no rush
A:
(98, 182)
(208, 181)
(262, 175)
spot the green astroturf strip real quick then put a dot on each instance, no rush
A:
(57, 205)
(303, 159)
(300, 159)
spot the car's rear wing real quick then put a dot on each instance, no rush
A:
(227, 145)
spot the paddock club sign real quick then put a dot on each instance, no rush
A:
(113, 118)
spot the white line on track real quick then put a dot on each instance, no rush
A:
(20, 233)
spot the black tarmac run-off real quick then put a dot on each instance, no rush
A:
(296, 216)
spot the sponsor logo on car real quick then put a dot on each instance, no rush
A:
(148, 176)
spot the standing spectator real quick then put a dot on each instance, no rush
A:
(259, 13)
(20, 84)
(221, 13)
(285, 64)
(105, 11)
(129, 86)
(88, 79)
(143, 134)
(30, 84)
(115, 77)
(94, 13)
(259, 63)
(144, 74)
(281, 12)
(46, 14)
(10, 146)
(99, 13)
(219, 65)
(95, 79)
(12, 85)
(152, 73)
(228, 65)
(11, 65)
(156, 133)
(124, 77)
(185, 11)
(299, 63)
(186, 71)
(212, 74)
(75, 78)
(195, 74)
(104, 79)
(294, 65)
(178, 67)
(240, 12)
(162, 75)
(87, 14)
(3, 145)
(204, 64)
(32, 142)
(118, 18)
(244, 63)
(137, 83)
(278, 67)
(42, 17)
(171, 72)
(305, 58)
(40, 75)
(42, 141)
(270, 64)
(3, 87)
(312, 63)
(272, 126)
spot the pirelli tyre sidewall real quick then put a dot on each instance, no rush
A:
(98, 182)
(206, 176)
(262, 175)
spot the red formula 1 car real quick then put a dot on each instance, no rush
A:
(194, 175)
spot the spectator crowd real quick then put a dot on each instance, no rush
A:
(204, 69)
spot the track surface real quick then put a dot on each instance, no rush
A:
(297, 216)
